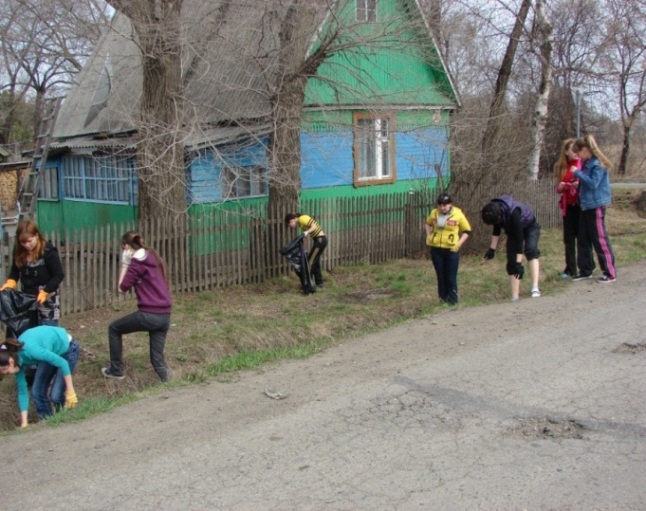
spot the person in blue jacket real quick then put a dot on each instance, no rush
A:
(594, 196)
(54, 352)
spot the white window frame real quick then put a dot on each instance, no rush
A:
(244, 182)
(374, 149)
(366, 11)
(48, 184)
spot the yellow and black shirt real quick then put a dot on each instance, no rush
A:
(446, 228)
(306, 221)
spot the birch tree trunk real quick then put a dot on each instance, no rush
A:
(539, 118)
(504, 74)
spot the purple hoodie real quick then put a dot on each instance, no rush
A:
(151, 289)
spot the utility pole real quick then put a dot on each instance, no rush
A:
(577, 100)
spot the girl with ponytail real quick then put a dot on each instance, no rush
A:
(143, 270)
(594, 196)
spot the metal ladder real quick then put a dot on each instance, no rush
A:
(28, 195)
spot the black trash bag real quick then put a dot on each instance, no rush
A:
(19, 311)
(296, 254)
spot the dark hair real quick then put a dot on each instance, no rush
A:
(134, 240)
(444, 198)
(289, 217)
(491, 214)
(9, 349)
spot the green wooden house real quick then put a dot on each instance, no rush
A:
(375, 118)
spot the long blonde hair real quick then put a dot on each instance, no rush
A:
(560, 167)
(589, 142)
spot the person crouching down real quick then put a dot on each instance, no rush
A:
(310, 227)
(54, 352)
(523, 231)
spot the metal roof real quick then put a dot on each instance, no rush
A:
(230, 59)
(230, 63)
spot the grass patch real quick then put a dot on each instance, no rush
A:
(217, 333)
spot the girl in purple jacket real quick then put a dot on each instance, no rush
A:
(145, 271)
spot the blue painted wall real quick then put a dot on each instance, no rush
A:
(327, 158)
(204, 170)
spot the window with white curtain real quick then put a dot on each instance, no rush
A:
(99, 178)
(374, 149)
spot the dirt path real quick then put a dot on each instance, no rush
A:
(536, 405)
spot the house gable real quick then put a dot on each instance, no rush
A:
(399, 66)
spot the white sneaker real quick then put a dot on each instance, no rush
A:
(536, 293)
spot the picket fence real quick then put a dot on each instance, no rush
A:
(224, 247)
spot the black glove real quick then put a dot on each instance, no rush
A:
(491, 253)
(516, 269)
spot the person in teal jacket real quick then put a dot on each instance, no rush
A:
(54, 352)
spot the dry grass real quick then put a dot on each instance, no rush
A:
(274, 319)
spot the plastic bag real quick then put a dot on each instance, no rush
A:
(296, 254)
(19, 311)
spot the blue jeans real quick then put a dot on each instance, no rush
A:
(49, 384)
(30, 372)
(156, 325)
(446, 264)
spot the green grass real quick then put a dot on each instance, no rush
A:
(215, 334)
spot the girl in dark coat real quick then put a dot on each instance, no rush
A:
(37, 266)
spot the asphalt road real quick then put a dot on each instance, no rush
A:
(535, 405)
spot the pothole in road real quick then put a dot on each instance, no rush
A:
(628, 347)
(533, 428)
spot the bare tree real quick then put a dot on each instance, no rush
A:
(160, 151)
(575, 56)
(543, 33)
(626, 62)
(14, 84)
(44, 44)
(287, 88)
(504, 75)
(586, 80)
